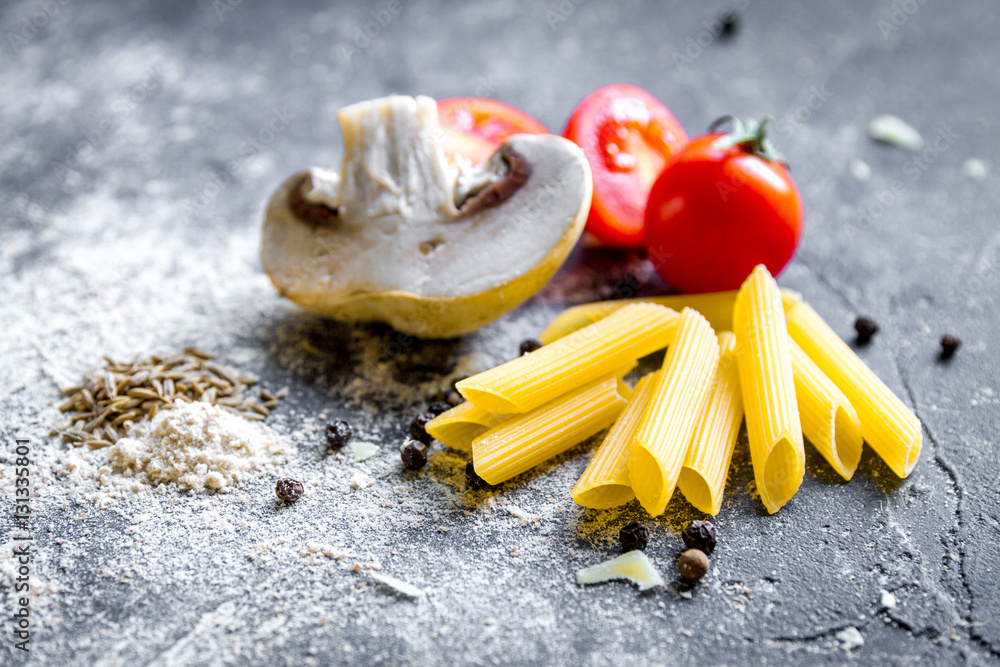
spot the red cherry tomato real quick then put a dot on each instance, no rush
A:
(628, 136)
(719, 209)
(474, 127)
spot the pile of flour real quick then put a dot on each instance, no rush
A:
(196, 445)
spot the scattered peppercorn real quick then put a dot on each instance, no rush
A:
(866, 328)
(289, 490)
(948, 346)
(700, 535)
(693, 565)
(473, 480)
(530, 345)
(437, 407)
(729, 23)
(413, 454)
(418, 427)
(633, 536)
(338, 432)
(451, 397)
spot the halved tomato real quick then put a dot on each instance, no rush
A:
(628, 135)
(474, 127)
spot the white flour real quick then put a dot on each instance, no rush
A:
(196, 445)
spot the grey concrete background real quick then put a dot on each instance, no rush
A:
(131, 237)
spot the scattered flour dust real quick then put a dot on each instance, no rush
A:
(198, 446)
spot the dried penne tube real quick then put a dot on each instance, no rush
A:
(584, 356)
(605, 484)
(703, 477)
(891, 428)
(829, 421)
(716, 307)
(664, 433)
(462, 424)
(523, 442)
(768, 387)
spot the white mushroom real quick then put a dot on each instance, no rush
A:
(402, 237)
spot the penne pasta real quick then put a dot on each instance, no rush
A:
(829, 421)
(664, 433)
(716, 307)
(891, 428)
(703, 477)
(768, 388)
(593, 352)
(605, 484)
(523, 442)
(462, 424)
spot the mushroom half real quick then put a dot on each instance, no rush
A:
(401, 236)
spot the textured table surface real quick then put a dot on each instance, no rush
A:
(139, 144)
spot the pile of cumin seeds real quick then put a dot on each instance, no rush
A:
(111, 401)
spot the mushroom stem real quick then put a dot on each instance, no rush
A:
(392, 163)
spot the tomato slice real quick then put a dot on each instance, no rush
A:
(628, 135)
(474, 127)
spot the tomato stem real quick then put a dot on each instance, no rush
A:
(751, 136)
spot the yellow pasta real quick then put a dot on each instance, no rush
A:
(584, 356)
(772, 415)
(523, 442)
(462, 424)
(605, 482)
(891, 428)
(829, 421)
(703, 477)
(664, 433)
(716, 307)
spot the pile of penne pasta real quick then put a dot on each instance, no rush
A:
(759, 352)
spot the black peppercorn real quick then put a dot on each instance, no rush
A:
(633, 536)
(338, 432)
(418, 427)
(700, 535)
(729, 23)
(437, 407)
(948, 346)
(530, 345)
(288, 490)
(413, 454)
(473, 480)
(866, 328)
(449, 397)
(693, 565)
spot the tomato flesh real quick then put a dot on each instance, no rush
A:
(474, 127)
(628, 136)
(715, 213)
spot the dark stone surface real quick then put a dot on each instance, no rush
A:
(922, 261)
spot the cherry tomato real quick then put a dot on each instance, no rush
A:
(628, 136)
(474, 127)
(723, 205)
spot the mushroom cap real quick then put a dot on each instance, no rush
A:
(425, 267)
